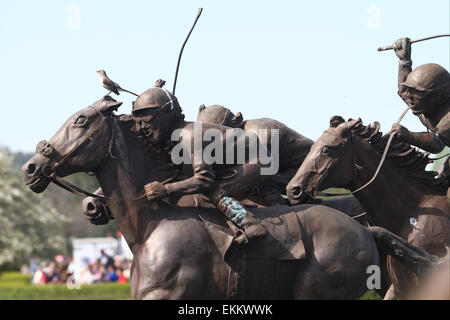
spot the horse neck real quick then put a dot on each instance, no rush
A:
(390, 200)
(124, 175)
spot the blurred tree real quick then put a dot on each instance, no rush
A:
(70, 205)
(30, 226)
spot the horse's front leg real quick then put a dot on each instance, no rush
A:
(174, 263)
(184, 283)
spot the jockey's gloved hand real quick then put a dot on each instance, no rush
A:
(400, 131)
(402, 48)
(155, 190)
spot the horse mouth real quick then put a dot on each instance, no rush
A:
(39, 184)
(415, 110)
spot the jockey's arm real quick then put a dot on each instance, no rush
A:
(404, 68)
(428, 141)
(201, 182)
(203, 179)
(404, 64)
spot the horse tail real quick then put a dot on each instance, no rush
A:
(414, 257)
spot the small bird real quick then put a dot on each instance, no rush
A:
(110, 85)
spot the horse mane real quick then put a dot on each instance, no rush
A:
(410, 161)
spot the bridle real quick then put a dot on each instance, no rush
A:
(47, 150)
(391, 136)
(329, 168)
(57, 160)
(355, 168)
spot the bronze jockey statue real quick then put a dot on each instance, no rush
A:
(158, 114)
(293, 147)
(427, 90)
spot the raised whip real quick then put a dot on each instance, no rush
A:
(182, 48)
(391, 47)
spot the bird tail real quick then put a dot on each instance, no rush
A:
(129, 92)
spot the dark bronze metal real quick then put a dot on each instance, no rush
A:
(426, 90)
(180, 248)
(292, 146)
(156, 98)
(404, 189)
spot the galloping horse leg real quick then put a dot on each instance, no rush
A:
(186, 265)
(173, 281)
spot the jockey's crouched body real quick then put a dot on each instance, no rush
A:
(292, 145)
(426, 90)
(158, 114)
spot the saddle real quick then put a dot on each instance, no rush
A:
(262, 269)
(282, 242)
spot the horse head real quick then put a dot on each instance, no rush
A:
(82, 144)
(328, 164)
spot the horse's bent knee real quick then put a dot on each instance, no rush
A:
(156, 294)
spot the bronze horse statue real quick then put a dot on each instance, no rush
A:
(404, 198)
(293, 146)
(179, 251)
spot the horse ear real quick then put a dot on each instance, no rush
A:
(335, 121)
(345, 127)
(201, 108)
(237, 119)
(107, 104)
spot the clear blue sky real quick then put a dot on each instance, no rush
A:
(299, 62)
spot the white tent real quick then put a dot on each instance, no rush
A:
(87, 250)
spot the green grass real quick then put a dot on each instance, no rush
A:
(14, 285)
(371, 295)
(335, 191)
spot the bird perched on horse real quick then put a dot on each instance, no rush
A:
(110, 85)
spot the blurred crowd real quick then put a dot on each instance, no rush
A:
(104, 269)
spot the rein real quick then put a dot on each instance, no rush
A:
(391, 136)
(66, 185)
(47, 150)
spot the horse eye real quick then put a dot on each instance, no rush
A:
(81, 120)
(326, 150)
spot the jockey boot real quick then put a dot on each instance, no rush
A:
(252, 227)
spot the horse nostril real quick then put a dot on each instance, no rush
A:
(31, 169)
(296, 190)
(90, 207)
